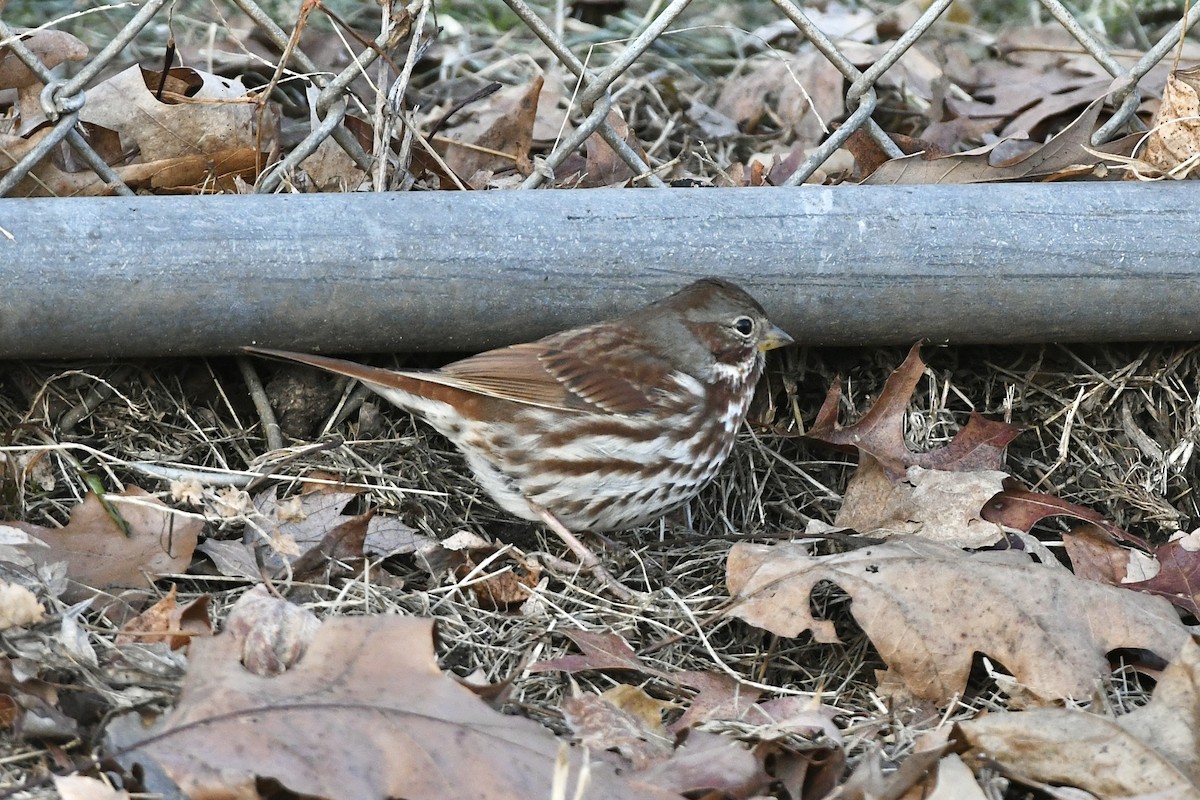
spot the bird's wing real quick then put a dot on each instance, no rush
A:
(580, 370)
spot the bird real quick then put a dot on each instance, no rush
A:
(598, 428)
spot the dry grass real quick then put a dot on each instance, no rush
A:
(1110, 426)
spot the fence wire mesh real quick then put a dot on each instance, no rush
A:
(364, 100)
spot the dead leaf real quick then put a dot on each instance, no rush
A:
(330, 168)
(1068, 149)
(928, 608)
(1173, 144)
(706, 764)
(504, 145)
(602, 166)
(211, 115)
(100, 555)
(601, 651)
(199, 136)
(51, 48)
(1178, 577)
(167, 621)
(939, 505)
(601, 724)
(1020, 509)
(366, 713)
(339, 553)
(1153, 751)
(804, 93)
(979, 445)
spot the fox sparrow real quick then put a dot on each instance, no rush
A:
(596, 428)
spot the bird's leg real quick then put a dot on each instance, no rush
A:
(587, 559)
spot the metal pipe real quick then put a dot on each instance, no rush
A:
(463, 271)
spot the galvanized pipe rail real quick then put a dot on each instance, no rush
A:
(463, 271)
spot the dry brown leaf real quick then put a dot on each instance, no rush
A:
(602, 166)
(1069, 150)
(330, 168)
(879, 433)
(929, 608)
(804, 92)
(100, 555)
(366, 713)
(954, 781)
(601, 651)
(708, 765)
(504, 145)
(23, 697)
(51, 48)
(1153, 751)
(214, 118)
(1173, 144)
(167, 621)
(601, 724)
(306, 521)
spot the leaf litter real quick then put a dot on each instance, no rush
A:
(1109, 440)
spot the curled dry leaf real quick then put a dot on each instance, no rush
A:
(1173, 144)
(365, 713)
(1151, 752)
(979, 445)
(274, 633)
(167, 621)
(200, 131)
(1171, 571)
(938, 494)
(929, 608)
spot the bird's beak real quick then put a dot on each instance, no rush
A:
(776, 337)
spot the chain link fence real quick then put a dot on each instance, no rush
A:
(406, 31)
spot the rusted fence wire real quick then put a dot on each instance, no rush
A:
(63, 98)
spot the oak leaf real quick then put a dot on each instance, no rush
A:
(1153, 751)
(125, 540)
(928, 608)
(365, 713)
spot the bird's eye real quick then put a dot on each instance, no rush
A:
(743, 325)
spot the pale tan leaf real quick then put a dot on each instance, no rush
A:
(928, 608)
(940, 505)
(169, 622)
(1173, 144)
(1151, 752)
(217, 118)
(81, 787)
